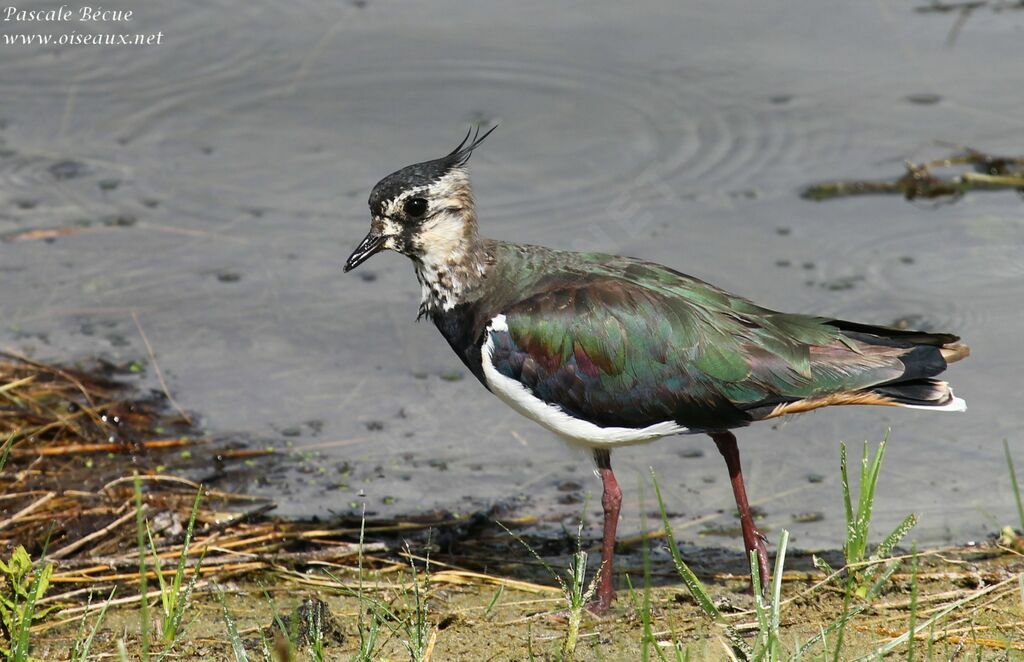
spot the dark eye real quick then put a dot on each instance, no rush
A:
(415, 207)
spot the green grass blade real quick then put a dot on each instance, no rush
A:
(858, 531)
(417, 627)
(847, 501)
(822, 566)
(886, 547)
(912, 625)
(858, 544)
(577, 591)
(494, 601)
(693, 584)
(855, 547)
(81, 651)
(867, 496)
(77, 645)
(879, 583)
(40, 581)
(179, 599)
(166, 599)
(237, 647)
(844, 618)
(179, 572)
(540, 559)
(1013, 482)
(822, 635)
(763, 642)
(884, 550)
(780, 561)
(363, 650)
(689, 578)
(183, 601)
(7, 450)
(283, 629)
(881, 651)
(645, 607)
(845, 482)
(140, 531)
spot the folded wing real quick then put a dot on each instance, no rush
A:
(634, 344)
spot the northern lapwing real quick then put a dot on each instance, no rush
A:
(609, 351)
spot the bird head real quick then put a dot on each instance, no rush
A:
(423, 209)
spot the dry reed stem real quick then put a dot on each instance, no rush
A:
(76, 449)
(954, 639)
(32, 507)
(95, 535)
(429, 652)
(157, 370)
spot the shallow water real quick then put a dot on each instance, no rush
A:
(219, 181)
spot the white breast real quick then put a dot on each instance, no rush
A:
(553, 417)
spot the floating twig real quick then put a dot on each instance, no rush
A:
(990, 173)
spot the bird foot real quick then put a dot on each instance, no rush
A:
(598, 607)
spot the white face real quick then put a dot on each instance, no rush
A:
(430, 223)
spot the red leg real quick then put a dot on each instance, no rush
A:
(611, 500)
(752, 538)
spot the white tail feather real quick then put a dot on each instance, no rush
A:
(956, 404)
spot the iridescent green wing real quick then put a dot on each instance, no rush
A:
(629, 343)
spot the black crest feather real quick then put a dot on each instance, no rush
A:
(460, 155)
(426, 173)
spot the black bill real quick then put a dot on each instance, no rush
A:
(371, 243)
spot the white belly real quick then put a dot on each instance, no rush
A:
(553, 417)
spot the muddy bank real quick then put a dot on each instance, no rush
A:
(90, 471)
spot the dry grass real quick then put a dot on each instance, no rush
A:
(76, 440)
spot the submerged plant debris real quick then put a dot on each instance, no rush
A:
(979, 171)
(964, 9)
